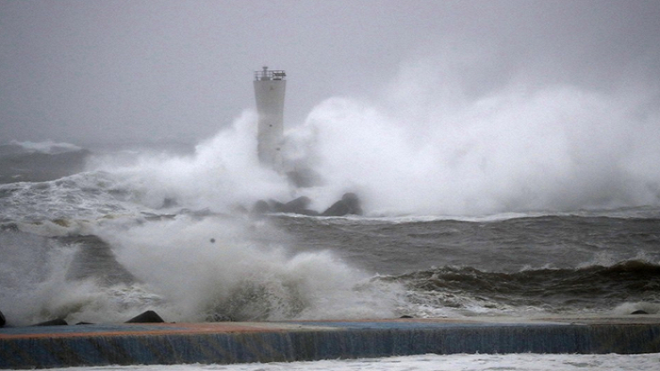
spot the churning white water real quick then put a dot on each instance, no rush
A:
(424, 150)
(216, 266)
(432, 362)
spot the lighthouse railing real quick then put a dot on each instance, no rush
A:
(269, 75)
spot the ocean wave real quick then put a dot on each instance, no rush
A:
(84, 197)
(641, 212)
(37, 162)
(48, 146)
(594, 287)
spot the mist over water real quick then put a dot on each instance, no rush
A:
(222, 173)
(217, 269)
(428, 145)
(427, 148)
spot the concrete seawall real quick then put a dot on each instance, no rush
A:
(235, 342)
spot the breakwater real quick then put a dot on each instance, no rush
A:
(228, 342)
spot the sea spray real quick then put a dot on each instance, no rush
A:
(27, 271)
(420, 152)
(187, 268)
(426, 146)
(68, 205)
(219, 268)
(221, 175)
(37, 287)
(421, 149)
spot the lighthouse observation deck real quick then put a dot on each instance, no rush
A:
(269, 75)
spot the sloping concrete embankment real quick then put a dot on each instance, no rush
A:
(129, 344)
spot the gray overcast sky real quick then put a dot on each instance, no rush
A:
(95, 71)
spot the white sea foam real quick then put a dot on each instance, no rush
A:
(222, 174)
(36, 288)
(455, 362)
(74, 201)
(219, 267)
(49, 146)
(519, 149)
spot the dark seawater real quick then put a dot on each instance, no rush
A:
(21, 164)
(554, 264)
(103, 246)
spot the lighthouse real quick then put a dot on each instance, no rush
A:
(269, 87)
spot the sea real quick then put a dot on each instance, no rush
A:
(103, 233)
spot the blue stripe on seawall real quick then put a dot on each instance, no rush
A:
(309, 341)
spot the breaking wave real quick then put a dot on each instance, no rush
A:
(629, 285)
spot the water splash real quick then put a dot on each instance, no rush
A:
(225, 268)
(423, 150)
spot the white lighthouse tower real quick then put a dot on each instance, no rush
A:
(269, 86)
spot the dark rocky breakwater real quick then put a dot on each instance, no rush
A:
(349, 204)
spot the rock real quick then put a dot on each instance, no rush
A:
(147, 317)
(639, 311)
(348, 205)
(94, 259)
(54, 322)
(298, 206)
(2, 319)
(275, 206)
